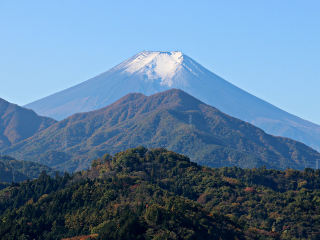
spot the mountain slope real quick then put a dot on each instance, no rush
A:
(18, 123)
(171, 119)
(153, 72)
(22, 170)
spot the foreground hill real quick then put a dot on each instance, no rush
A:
(152, 72)
(172, 119)
(22, 170)
(18, 123)
(157, 194)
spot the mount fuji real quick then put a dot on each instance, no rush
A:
(150, 72)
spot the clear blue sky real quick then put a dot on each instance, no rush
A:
(268, 48)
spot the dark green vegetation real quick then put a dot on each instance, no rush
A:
(18, 123)
(3, 185)
(162, 120)
(22, 170)
(159, 194)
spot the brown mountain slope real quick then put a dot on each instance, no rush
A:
(171, 119)
(18, 123)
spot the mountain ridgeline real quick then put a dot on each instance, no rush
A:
(172, 119)
(153, 72)
(18, 123)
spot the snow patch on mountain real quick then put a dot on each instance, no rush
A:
(162, 66)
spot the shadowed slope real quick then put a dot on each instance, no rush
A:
(18, 123)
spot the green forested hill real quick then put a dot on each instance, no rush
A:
(6, 174)
(18, 123)
(171, 119)
(158, 194)
(112, 202)
(22, 170)
(3, 185)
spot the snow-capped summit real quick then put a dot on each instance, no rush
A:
(150, 72)
(168, 69)
(156, 66)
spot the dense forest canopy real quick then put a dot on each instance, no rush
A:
(13, 170)
(145, 193)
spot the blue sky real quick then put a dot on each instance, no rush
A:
(268, 48)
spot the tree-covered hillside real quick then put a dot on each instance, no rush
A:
(172, 119)
(158, 194)
(3, 185)
(18, 171)
(112, 202)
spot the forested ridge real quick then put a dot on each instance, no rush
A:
(12, 169)
(172, 119)
(145, 193)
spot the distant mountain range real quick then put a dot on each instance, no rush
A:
(18, 123)
(172, 119)
(152, 72)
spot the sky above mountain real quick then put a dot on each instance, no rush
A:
(268, 48)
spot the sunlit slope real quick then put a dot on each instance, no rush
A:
(171, 119)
